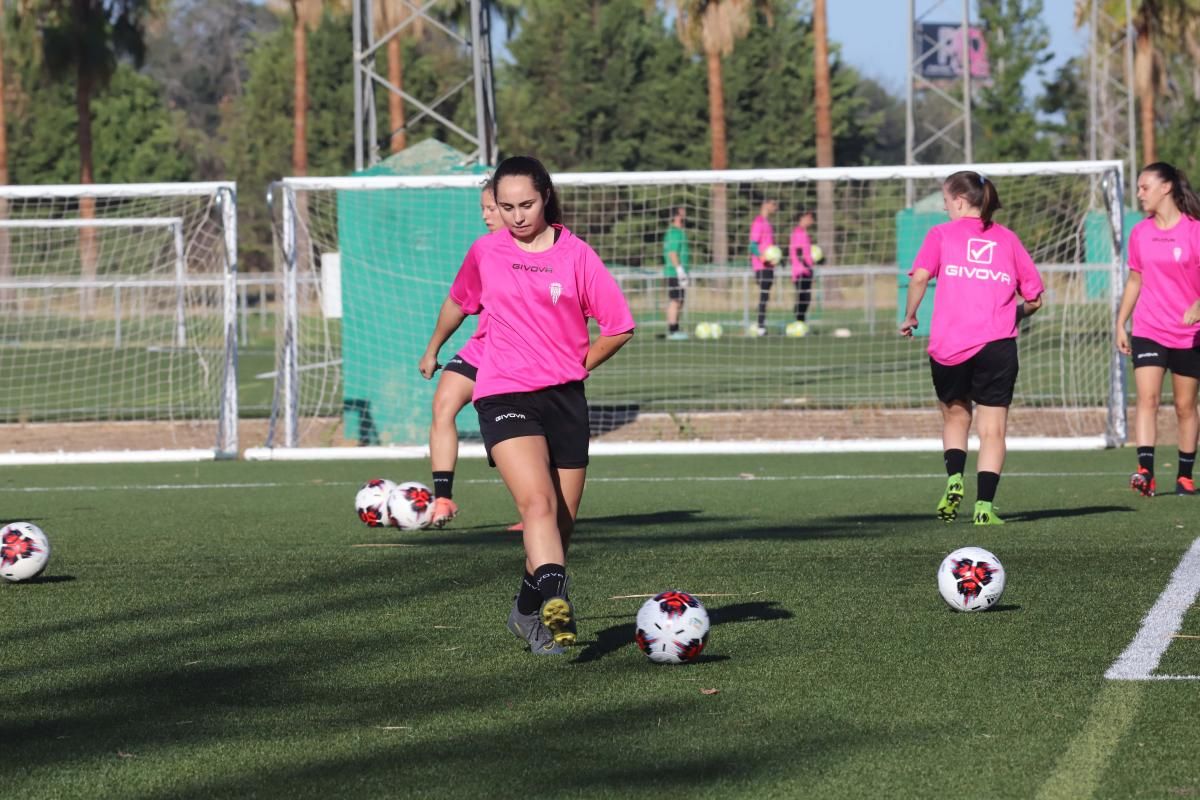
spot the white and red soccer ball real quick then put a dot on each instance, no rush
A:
(381, 503)
(971, 579)
(410, 506)
(672, 628)
(24, 551)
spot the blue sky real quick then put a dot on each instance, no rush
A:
(879, 50)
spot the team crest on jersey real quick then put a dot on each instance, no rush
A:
(555, 292)
(1178, 253)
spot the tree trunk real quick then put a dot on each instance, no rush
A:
(720, 156)
(824, 122)
(395, 102)
(6, 271)
(1143, 76)
(89, 250)
(300, 100)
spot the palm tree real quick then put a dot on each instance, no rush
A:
(824, 124)
(86, 38)
(1158, 25)
(712, 27)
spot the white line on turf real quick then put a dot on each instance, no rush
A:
(1081, 767)
(1161, 623)
(164, 487)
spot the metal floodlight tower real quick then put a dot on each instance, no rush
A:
(925, 56)
(366, 78)
(1112, 130)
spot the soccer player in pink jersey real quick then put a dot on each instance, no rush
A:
(986, 282)
(539, 284)
(453, 391)
(801, 257)
(1161, 293)
(762, 236)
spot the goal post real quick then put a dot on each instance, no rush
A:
(118, 331)
(852, 382)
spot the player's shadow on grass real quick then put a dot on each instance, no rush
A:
(1058, 513)
(49, 579)
(614, 637)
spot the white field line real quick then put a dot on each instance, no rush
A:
(168, 487)
(1160, 624)
(1081, 767)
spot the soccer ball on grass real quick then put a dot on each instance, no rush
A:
(709, 330)
(971, 579)
(410, 505)
(797, 329)
(24, 551)
(672, 628)
(371, 502)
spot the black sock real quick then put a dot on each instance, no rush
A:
(1146, 459)
(529, 599)
(1186, 460)
(956, 461)
(987, 483)
(672, 327)
(443, 484)
(550, 580)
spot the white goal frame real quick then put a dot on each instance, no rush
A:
(224, 197)
(1107, 181)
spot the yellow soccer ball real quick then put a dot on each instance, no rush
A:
(772, 255)
(797, 329)
(817, 253)
(708, 330)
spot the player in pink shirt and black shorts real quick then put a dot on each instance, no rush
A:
(1162, 294)
(983, 272)
(539, 285)
(454, 389)
(762, 238)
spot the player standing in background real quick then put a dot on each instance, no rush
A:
(801, 255)
(981, 268)
(675, 267)
(539, 285)
(453, 391)
(761, 238)
(1161, 293)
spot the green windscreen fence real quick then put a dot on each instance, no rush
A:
(911, 226)
(400, 251)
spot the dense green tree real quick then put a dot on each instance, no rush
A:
(1006, 124)
(1064, 104)
(601, 86)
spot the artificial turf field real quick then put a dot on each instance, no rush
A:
(213, 630)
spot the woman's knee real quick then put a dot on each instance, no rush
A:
(538, 505)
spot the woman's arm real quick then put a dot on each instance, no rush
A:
(603, 349)
(449, 319)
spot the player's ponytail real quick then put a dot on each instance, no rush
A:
(1182, 192)
(533, 169)
(977, 190)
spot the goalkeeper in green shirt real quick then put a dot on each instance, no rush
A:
(675, 267)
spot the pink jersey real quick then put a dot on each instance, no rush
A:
(1169, 263)
(472, 351)
(979, 275)
(800, 253)
(538, 305)
(762, 235)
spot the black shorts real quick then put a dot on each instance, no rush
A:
(987, 378)
(1183, 361)
(674, 290)
(462, 367)
(766, 279)
(559, 413)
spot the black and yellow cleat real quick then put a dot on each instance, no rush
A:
(559, 617)
(985, 514)
(947, 509)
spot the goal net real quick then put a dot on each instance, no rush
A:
(117, 322)
(367, 262)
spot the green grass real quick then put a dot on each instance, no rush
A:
(209, 631)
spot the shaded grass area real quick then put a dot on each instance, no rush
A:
(209, 630)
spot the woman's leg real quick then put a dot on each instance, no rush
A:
(1184, 389)
(1148, 381)
(452, 394)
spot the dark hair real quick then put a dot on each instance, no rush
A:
(531, 168)
(977, 190)
(488, 185)
(805, 212)
(1181, 191)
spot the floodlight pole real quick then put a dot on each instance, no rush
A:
(366, 78)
